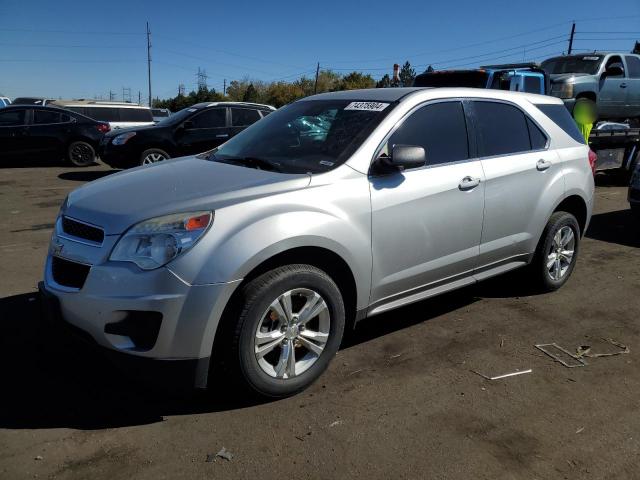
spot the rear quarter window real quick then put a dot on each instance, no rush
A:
(561, 117)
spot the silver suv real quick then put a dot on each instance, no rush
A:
(253, 258)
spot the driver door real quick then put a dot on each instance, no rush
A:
(427, 221)
(203, 131)
(613, 90)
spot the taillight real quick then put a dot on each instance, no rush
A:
(103, 127)
(593, 159)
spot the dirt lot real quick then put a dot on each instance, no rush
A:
(399, 401)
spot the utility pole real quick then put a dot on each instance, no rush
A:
(149, 61)
(224, 87)
(126, 94)
(315, 85)
(181, 89)
(573, 31)
(112, 96)
(139, 97)
(202, 79)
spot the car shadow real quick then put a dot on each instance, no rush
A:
(619, 227)
(85, 176)
(53, 381)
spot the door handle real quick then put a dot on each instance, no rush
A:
(623, 85)
(542, 165)
(222, 135)
(468, 183)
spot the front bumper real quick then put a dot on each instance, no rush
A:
(118, 156)
(114, 292)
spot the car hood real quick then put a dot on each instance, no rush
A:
(565, 77)
(121, 200)
(117, 131)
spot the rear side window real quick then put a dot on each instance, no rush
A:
(103, 114)
(43, 117)
(213, 118)
(633, 66)
(80, 110)
(241, 117)
(12, 118)
(502, 129)
(439, 128)
(136, 115)
(537, 137)
(561, 117)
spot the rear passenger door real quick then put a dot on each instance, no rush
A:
(523, 179)
(427, 221)
(241, 118)
(49, 130)
(202, 132)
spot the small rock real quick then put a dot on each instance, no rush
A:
(224, 453)
(39, 457)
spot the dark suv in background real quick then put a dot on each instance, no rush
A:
(190, 131)
(36, 131)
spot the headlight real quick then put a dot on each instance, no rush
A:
(562, 90)
(123, 138)
(155, 242)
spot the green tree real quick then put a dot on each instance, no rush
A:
(356, 80)
(407, 74)
(384, 82)
(282, 93)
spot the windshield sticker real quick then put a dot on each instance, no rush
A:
(326, 163)
(367, 106)
(591, 58)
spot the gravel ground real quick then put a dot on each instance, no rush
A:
(399, 401)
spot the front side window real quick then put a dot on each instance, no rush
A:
(312, 136)
(213, 118)
(615, 61)
(633, 66)
(502, 129)
(45, 116)
(241, 117)
(439, 128)
(12, 118)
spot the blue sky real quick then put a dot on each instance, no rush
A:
(84, 49)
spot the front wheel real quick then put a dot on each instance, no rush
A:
(81, 154)
(153, 155)
(290, 327)
(557, 251)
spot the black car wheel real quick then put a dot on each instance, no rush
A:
(153, 155)
(81, 154)
(290, 327)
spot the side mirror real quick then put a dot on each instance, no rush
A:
(187, 125)
(404, 157)
(614, 70)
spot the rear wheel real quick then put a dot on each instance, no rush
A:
(290, 327)
(557, 251)
(81, 154)
(153, 155)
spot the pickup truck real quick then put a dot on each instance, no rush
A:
(610, 82)
(518, 77)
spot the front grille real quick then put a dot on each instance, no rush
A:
(82, 230)
(67, 273)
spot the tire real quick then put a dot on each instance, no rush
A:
(263, 337)
(550, 277)
(153, 155)
(81, 154)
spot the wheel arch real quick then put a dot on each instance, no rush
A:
(589, 95)
(576, 206)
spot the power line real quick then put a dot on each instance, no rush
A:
(38, 30)
(34, 45)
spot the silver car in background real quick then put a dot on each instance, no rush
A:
(248, 262)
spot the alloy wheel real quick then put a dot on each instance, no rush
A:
(561, 252)
(153, 158)
(292, 333)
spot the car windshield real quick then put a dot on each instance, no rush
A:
(573, 64)
(311, 136)
(178, 117)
